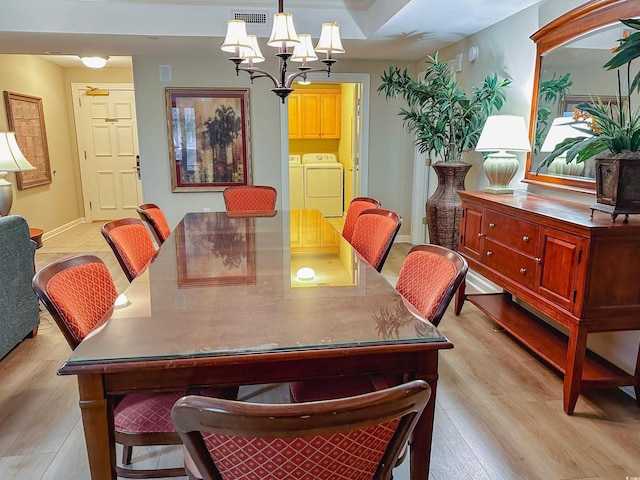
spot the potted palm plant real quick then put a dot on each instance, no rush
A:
(613, 138)
(446, 122)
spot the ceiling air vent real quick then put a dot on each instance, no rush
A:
(256, 17)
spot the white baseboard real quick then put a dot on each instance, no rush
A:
(63, 228)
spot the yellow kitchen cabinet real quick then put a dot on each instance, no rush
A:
(314, 114)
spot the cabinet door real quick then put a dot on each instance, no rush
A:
(471, 235)
(295, 127)
(310, 108)
(559, 267)
(330, 115)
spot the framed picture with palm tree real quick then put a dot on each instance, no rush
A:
(209, 138)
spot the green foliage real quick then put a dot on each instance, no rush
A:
(615, 128)
(443, 118)
(551, 91)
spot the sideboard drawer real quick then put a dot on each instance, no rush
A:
(509, 263)
(512, 232)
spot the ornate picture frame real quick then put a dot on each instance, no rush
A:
(25, 116)
(209, 138)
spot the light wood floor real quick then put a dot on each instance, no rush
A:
(498, 413)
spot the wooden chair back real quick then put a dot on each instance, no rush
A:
(329, 439)
(373, 234)
(429, 278)
(155, 218)
(356, 206)
(131, 244)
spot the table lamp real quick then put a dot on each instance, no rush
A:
(502, 133)
(561, 129)
(11, 160)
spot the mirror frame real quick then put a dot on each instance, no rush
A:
(574, 23)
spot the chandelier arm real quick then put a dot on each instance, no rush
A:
(259, 73)
(293, 76)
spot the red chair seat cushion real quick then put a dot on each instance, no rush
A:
(145, 412)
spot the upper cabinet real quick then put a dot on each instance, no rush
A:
(314, 114)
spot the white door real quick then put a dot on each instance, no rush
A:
(107, 147)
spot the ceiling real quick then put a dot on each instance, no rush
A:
(371, 29)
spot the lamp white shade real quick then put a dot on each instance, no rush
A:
(561, 129)
(11, 158)
(252, 55)
(236, 37)
(94, 62)
(504, 132)
(304, 52)
(283, 31)
(329, 40)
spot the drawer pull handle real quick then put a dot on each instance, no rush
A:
(523, 271)
(538, 260)
(525, 239)
(492, 225)
(489, 253)
(479, 234)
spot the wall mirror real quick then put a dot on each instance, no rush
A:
(571, 52)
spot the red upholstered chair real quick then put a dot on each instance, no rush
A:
(250, 198)
(154, 217)
(373, 235)
(131, 244)
(79, 293)
(350, 439)
(428, 280)
(356, 206)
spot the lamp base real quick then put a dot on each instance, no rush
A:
(6, 195)
(500, 168)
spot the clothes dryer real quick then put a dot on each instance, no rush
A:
(296, 183)
(323, 183)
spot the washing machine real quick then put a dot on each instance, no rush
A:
(323, 183)
(296, 184)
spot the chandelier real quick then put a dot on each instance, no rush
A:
(246, 51)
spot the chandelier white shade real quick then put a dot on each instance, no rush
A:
(11, 160)
(290, 46)
(502, 133)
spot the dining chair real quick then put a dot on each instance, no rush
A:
(79, 293)
(250, 198)
(428, 280)
(131, 244)
(350, 438)
(356, 206)
(155, 218)
(373, 234)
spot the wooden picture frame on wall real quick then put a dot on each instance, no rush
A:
(209, 138)
(25, 116)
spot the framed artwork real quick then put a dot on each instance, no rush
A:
(209, 138)
(215, 249)
(572, 101)
(26, 118)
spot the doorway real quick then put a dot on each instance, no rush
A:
(107, 142)
(351, 146)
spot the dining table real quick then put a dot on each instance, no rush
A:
(246, 299)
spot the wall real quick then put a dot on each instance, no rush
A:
(60, 202)
(390, 148)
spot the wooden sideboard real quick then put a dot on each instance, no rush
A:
(581, 272)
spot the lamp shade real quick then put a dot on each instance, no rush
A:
(329, 40)
(561, 129)
(502, 133)
(94, 62)
(304, 50)
(236, 36)
(252, 55)
(283, 31)
(11, 158)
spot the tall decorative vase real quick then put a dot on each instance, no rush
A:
(444, 207)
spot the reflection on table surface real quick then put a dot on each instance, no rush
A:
(261, 308)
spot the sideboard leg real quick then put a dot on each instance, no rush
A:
(460, 296)
(575, 361)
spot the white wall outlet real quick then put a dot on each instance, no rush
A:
(206, 209)
(458, 63)
(165, 73)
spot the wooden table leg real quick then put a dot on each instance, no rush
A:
(98, 427)
(420, 450)
(460, 296)
(575, 361)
